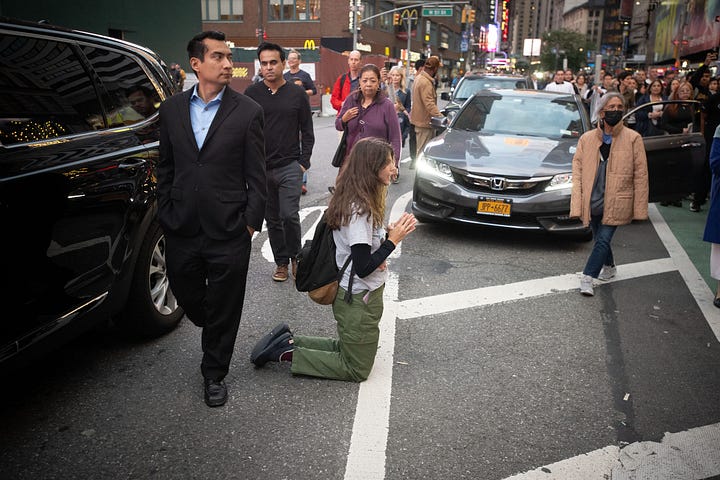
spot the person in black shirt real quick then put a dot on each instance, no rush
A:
(289, 141)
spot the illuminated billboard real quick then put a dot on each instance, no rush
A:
(492, 38)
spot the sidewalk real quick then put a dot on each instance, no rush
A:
(688, 228)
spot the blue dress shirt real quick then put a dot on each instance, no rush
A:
(202, 114)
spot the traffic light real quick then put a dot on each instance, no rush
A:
(464, 15)
(471, 16)
(396, 19)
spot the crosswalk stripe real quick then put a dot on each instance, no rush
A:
(694, 453)
(478, 297)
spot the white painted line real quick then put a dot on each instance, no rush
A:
(368, 443)
(266, 250)
(696, 283)
(692, 454)
(524, 290)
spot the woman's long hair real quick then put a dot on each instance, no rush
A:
(358, 189)
(401, 71)
(673, 107)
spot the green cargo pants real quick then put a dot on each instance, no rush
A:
(351, 357)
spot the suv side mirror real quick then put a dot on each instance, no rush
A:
(445, 96)
(439, 122)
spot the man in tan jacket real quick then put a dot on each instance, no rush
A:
(424, 103)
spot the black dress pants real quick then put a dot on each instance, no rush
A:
(208, 279)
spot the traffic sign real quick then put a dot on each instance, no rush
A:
(437, 12)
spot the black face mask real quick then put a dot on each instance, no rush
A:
(613, 117)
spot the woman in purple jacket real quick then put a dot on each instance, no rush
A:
(369, 113)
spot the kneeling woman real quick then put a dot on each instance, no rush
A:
(355, 214)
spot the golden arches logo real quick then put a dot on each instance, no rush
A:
(240, 72)
(309, 44)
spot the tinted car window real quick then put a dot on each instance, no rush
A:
(541, 117)
(46, 92)
(129, 96)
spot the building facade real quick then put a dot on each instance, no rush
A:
(382, 27)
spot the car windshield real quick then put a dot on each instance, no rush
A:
(541, 116)
(470, 85)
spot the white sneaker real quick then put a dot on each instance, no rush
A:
(607, 272)
(586, 286)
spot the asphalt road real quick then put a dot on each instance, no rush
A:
(491, 364)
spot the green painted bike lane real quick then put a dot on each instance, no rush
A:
(688, 228)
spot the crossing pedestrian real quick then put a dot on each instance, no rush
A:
(424, 104)
(211, 199)
(712, 224)
(289, 141)
(610, 185)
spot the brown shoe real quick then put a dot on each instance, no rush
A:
(294, 268)
(281, 273)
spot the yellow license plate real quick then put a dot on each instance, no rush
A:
(490, 206)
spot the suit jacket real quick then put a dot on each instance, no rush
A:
(219, 189)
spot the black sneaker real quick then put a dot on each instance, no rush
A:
(215, 393)
(273, 352)
(694, 206)
(267, 339)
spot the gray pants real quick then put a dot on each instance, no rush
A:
(284, 186)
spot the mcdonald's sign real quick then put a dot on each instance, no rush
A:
(309, 44)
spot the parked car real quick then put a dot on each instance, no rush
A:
(474, 82)
(505, 160)
(78, 149)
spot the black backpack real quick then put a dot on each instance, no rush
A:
(317, 273)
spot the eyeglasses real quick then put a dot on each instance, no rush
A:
(614, 108)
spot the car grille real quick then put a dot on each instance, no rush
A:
(519, 186)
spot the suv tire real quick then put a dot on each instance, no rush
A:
(151, 308)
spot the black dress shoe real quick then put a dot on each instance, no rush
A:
(268, 338)
(215, 393)
(716, 302)
(273, 351)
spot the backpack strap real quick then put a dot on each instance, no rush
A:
(342, 82)
(348, 293)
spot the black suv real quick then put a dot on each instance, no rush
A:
(78, 151)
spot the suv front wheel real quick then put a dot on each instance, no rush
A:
(151, 309)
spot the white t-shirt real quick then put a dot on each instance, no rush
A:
(359, 230)
(565, 87)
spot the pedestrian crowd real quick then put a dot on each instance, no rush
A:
(594, 183)
(229, 161)
(650, 88)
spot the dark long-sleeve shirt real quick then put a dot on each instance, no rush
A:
(304, 77)
(289, 133)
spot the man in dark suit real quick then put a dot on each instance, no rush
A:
(211, 199)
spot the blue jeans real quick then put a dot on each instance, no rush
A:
(601, 253)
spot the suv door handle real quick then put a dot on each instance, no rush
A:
(132, 163)
(691, 145)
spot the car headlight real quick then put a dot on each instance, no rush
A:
(558, 182)
(433, 167)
